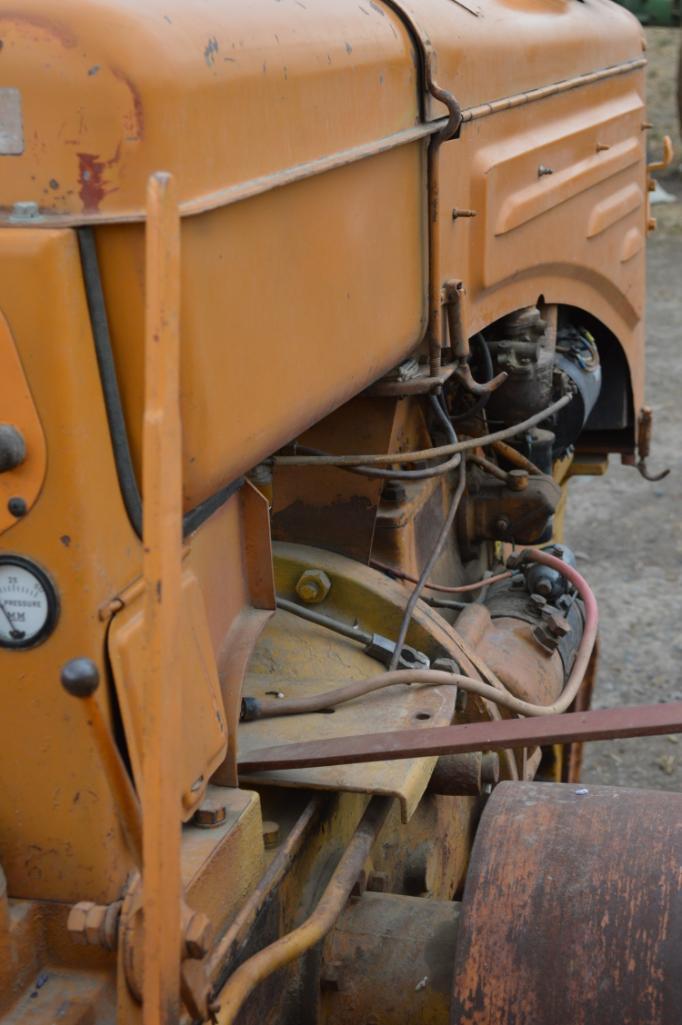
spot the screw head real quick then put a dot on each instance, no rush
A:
(313, 586)
(17, 506)
(80, 677)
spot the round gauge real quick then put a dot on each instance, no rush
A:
(28, 603)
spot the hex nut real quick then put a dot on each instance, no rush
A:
(313, 586)
(209, 816)
(77, 921)
(95, 925)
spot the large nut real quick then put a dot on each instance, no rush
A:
(76, 923)
(313, 586)
(95, 925)
(209, 815)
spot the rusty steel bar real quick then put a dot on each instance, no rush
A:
(555, 89)
(162, 533)
(604, 724)
(80, 678)
(294, 944)
(239, 929)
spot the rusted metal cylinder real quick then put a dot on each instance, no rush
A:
(572, 909)
(390, 959)
(465, 775)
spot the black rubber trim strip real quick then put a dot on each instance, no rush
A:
(200, 513)
(107, 372)
(125, 470)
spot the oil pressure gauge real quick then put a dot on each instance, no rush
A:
(28, 603)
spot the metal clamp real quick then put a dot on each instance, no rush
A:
(381, 648)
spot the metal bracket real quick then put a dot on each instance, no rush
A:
(644, 432)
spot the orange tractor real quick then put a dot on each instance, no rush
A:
(309, 310)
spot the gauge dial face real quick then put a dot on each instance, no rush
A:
(28, 603)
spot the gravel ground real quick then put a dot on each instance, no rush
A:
(628, 531)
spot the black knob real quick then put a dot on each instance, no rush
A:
(80, 677)
(12, 447)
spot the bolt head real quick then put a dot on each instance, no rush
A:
(209, 816)
(313, 586)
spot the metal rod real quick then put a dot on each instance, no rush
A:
(604, 724)
(162, 533)
(308, 169)
(239, 930)
(291, 946)
(319, 618)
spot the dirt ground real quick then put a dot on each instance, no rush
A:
(629, 532)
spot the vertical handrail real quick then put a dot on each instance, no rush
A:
(162, 537)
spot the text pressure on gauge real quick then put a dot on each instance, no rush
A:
(28, 603)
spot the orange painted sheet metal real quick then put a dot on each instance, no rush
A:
(559, 189)
(100, 96)
(20, 483)
(483, 50)
(78, 532)
(292, 303)
(217, 93)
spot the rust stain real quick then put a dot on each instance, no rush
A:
(133, 123)
(91, 177)
(65, 36)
